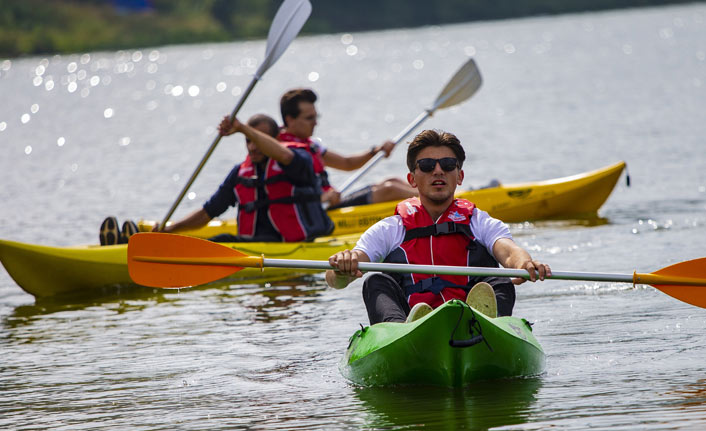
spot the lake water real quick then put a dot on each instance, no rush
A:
(85, 136)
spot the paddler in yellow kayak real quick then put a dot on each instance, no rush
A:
(300, 118)
(435, 229)
(275, 190)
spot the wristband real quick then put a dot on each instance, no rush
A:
(373, 150)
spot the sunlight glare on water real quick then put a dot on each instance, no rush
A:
(88, 135)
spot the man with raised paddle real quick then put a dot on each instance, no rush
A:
(299, 116)
(275, 190)
(435, 229)
(287, 22)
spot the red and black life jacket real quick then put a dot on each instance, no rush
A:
(449, 241)
(295, 211)
(293, 141)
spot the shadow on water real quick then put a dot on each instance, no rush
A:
(274, 300)
(121, 299)
(481, 406)
(689, 396)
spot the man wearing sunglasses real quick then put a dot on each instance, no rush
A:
(435, 229)
(275, 190)
(300, 118)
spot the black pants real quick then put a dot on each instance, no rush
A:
(386, 301)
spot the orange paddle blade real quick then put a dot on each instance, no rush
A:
(165, 260)
(685, 281)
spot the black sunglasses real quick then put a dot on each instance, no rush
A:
(448, 164)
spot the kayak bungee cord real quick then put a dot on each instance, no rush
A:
(473, 324)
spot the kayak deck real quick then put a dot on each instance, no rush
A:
(420, 352)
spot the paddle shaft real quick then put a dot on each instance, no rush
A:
(372, 162)
(206, 156)
(260, 262)
(448, 270)
(164, 260)
(463, 85)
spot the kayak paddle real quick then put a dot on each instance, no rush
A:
(166, 260)
(288, 21)
(462, 86)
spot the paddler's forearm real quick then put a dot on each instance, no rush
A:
(509, 254)
(268, 145)
(194, 220)
(347, 163)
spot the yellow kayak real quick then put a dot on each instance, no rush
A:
(561, 198)
(48, 271)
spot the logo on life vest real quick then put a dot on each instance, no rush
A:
(276, 167)
(410, 209)
(456, 216)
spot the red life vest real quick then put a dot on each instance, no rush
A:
(446, 241)
(293, 141)
(294, 211)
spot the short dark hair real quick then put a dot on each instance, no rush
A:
(272, 127)
(434, 138)
(289, 103)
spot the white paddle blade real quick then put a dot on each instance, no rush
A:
(288, 22)
(462, 86)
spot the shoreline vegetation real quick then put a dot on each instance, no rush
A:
(39, 27)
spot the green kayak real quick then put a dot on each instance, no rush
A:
(452, 346)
